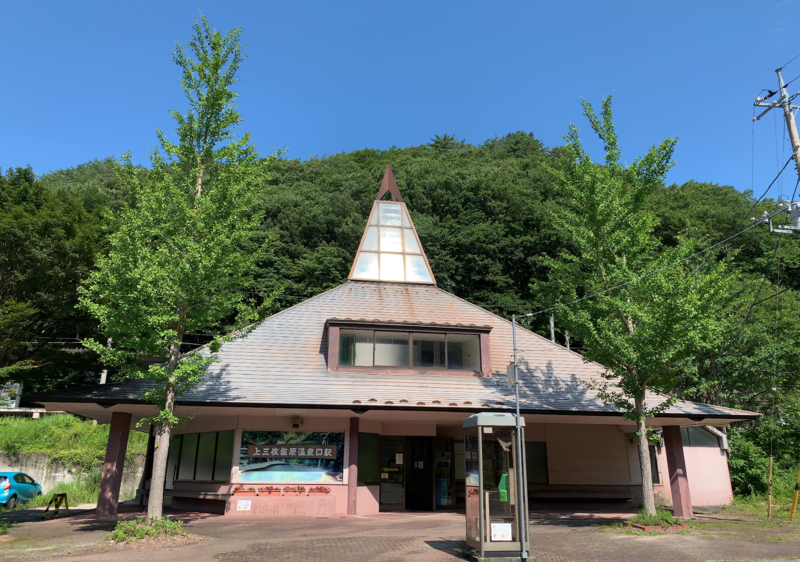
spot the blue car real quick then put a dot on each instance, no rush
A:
(17, 487)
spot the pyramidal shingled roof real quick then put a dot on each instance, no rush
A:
(390, 250)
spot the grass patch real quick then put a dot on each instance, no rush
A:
(662, 518)
(65, 439)
(4, 525)
(755, 505)
(143, 527)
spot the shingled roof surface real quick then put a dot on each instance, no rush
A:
(283, 362)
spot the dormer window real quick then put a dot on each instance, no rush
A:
(395, 347)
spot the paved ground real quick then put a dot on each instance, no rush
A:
(578, 535)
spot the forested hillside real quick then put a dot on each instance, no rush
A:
(485, 217)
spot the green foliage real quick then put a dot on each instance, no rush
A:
(65, 439)
(184, 252)
(490, 216)
(446, 143)
(4, 526)
(94, 183)
(142, 527)
(640, 317)
(481, 216)
(642, 331)
(748, 466)
(49, 242)
(662, 517)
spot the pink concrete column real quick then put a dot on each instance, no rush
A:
(114, 463)
(352, 468)
(678, 479)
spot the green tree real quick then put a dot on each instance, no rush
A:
(48, 243)
(643, 331)
(94, 183)
(446, 143)
(183, 254)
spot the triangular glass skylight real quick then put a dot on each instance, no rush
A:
(390, 249)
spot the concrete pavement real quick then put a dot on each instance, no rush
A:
(556, 536)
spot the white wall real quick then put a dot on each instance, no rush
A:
(36, 466)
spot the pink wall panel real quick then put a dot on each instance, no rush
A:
(709, 479)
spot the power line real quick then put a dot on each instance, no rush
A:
(645, 276)
(755, 299)
(762, 195)
(788, 63)
(790, 81)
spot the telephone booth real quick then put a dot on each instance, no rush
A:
(495, 524)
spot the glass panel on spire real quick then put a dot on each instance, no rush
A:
(390, 248)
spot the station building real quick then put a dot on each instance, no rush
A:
(361, 392)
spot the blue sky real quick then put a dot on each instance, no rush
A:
(85, 80)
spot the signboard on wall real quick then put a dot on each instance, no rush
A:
(243, 505)
(10, 395)
(291, 451)
(291, 456)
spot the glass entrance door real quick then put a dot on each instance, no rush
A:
(391, 474)
(443, 465)
(419, 473)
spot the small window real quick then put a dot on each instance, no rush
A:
(355, 348)
(429, 351)
(172, 460)
(654, 465)
(369, 445)
(698, 437)
(188, 457)
(416, 350)
(205, 456)
(391, 349)
(224, 460)
(463, 352)
(536, 462)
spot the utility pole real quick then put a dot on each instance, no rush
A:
(784, 101)
(521, 505)
(552, 329)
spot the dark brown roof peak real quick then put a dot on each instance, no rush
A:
(389, 185)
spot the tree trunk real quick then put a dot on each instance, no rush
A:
(198, 189)
(648, 501)
(163, 431)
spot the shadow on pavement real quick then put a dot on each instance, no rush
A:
(33, 515)
(453, 547)
(574, 523)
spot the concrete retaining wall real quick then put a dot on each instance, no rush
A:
(35, 465)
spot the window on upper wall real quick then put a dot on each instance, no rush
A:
(410, 350)
(654, 465)
(698, 437)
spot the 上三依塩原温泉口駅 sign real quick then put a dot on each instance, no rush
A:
(291, 451)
